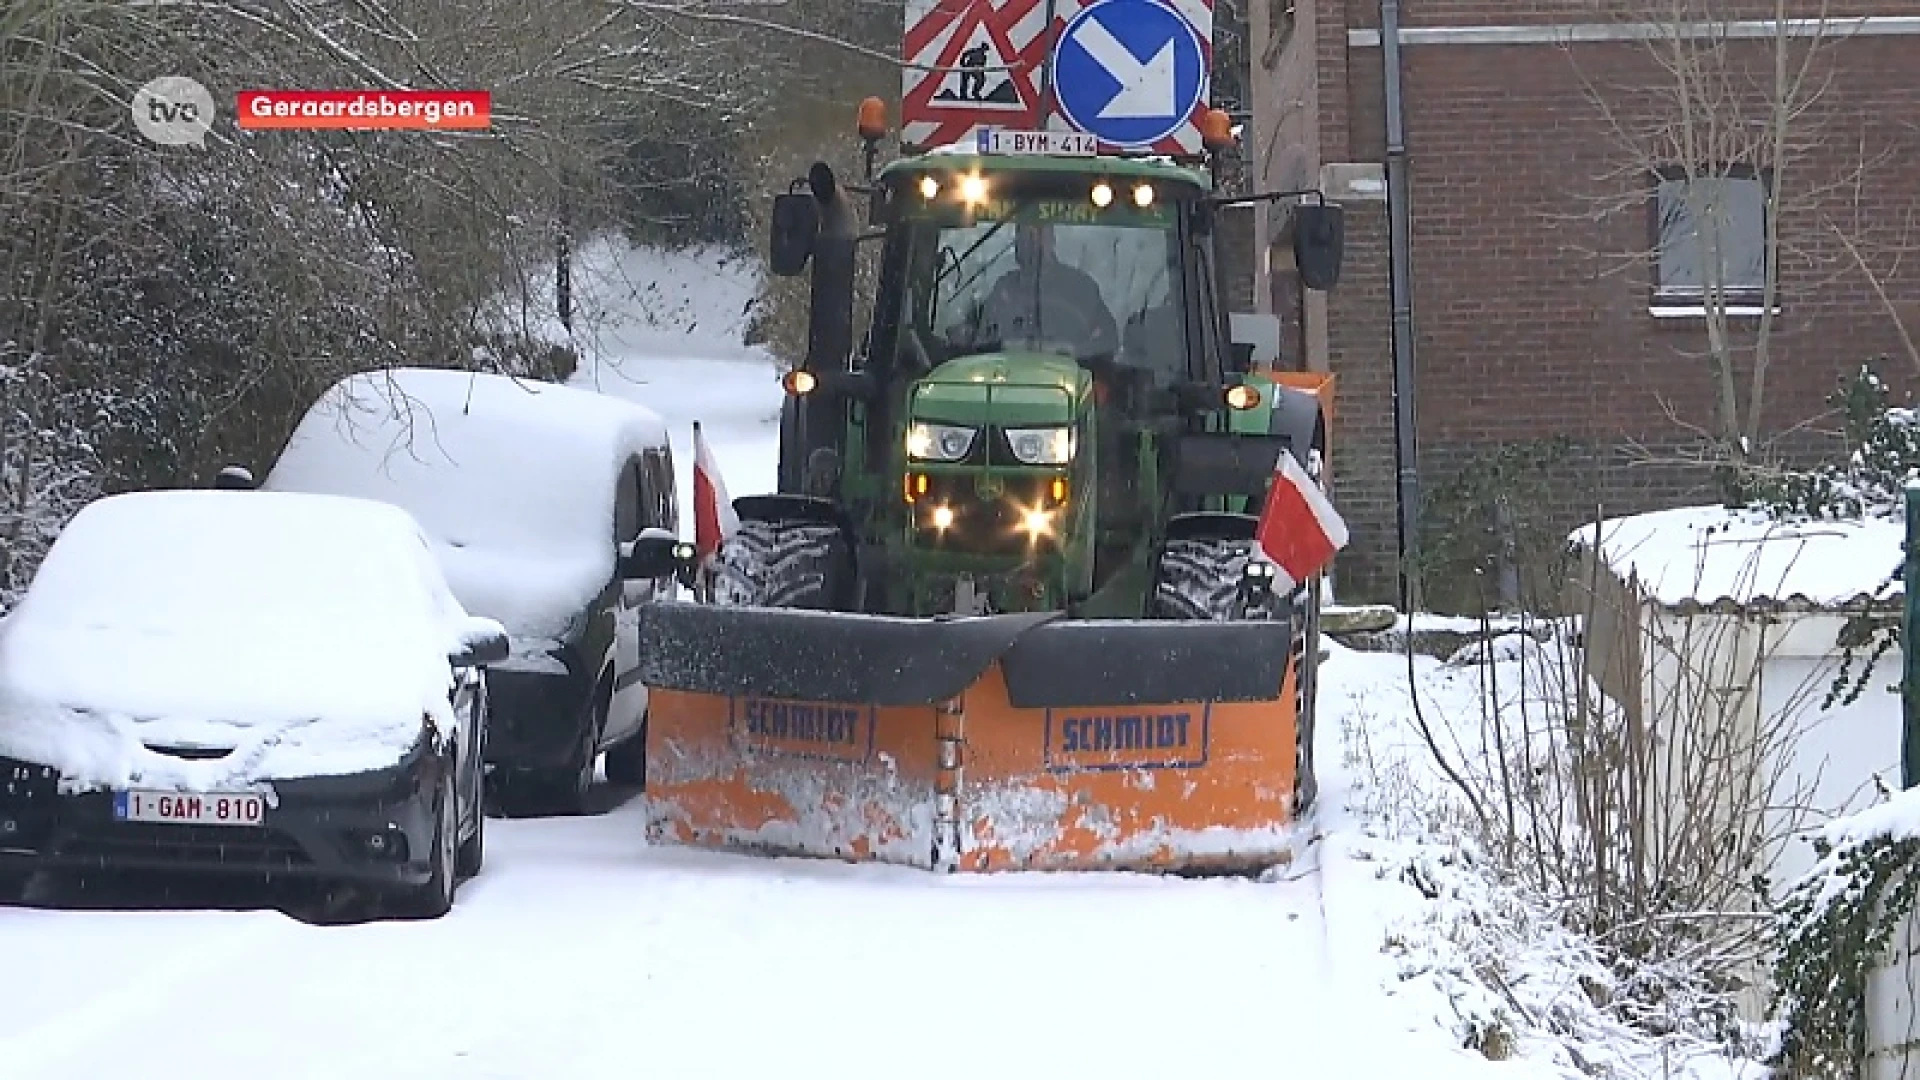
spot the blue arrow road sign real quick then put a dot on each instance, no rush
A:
(1129, 72)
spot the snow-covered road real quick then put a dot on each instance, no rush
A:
(580, 953)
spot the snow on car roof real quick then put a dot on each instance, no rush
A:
(512, 479)
(152, 558)
(312, 629)
(1707, 555)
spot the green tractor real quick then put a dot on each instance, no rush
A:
(1046, 412)
(1008, 577)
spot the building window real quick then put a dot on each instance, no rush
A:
(1696, 219)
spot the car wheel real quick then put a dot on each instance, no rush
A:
(474, 851)
(435, 897)
(562, 790)
(14, 885)
(627, 762)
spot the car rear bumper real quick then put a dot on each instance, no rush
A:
(534, 718)
(375, 828)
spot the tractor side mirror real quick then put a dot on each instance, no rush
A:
(796, 221)
(656, 553)
(1319, 244)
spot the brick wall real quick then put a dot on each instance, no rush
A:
(1417, 13)
(1531, 314)
(1361, 358)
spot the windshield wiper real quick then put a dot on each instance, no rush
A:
(949, 264)
(991, 233)
(1018, 205)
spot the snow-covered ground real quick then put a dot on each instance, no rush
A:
(665, 330)
(580, 952)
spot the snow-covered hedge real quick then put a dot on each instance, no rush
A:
(1867, 485)
(1882, 450)
(1837, 926)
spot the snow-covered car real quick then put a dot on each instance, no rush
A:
(532, 494)
(246, 682)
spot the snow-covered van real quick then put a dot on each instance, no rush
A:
(530, 493)
(237, 682)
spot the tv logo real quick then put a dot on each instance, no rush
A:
(173, 111)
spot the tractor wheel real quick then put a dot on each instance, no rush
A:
(787, 564)
(1200, 580)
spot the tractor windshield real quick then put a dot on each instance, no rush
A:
(1055, 275)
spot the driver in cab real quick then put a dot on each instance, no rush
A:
(1045, 299)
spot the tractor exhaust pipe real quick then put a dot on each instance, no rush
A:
(830, 310)
(820, 427)
(816, 226)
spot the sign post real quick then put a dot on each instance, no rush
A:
(1909, 655)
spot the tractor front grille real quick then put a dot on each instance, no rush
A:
(983, 523)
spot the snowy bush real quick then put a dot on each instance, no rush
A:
(1494, 939)
(1650, 823)
(1645, 826)
(1882, 449)
(165, 311)
(1837, 925)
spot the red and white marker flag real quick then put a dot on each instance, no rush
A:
(1300, 532)
(713, 517)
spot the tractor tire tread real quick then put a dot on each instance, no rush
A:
(777, 564)
(1199, 580)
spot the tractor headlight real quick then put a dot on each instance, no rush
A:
(1042, 446)
(938, 442)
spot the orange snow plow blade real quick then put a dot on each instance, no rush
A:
(1012, 742)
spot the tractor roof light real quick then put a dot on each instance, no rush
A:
(873, 119)
(1242, 397)
(1143, 196)
(929, 187)
(1102, 194)
(973, 189)
(799, 382)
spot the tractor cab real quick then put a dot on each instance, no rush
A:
(1045, 383)
(1045, 321)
